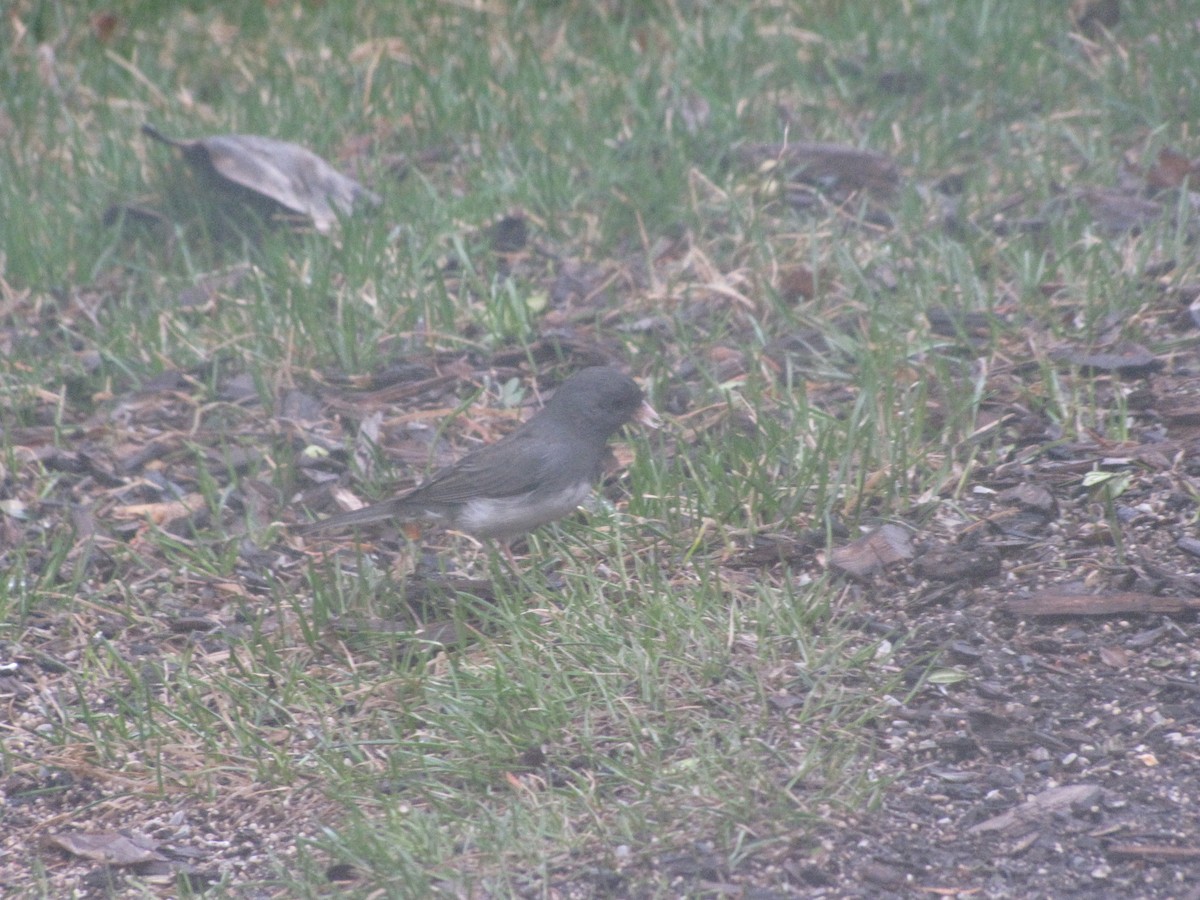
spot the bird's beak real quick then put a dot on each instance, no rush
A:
(647, 416)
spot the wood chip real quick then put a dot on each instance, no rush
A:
(1040, 807)
(1062, 603)
(1154, 852)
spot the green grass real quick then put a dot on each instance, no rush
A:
(619, 703)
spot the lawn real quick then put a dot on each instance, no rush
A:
(901, 598)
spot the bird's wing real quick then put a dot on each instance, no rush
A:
(515, 466)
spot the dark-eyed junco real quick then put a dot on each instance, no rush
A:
(539, 473)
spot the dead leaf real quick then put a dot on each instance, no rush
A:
(161, 513)
(825, 165)
(292, 176)
(108, 847)
(104, 25)
(1114, 657)
(346, 500)
(17, 509)
(366, 443)
(797, 282)
(872, 552)
(1170, 170)
(1032, 497)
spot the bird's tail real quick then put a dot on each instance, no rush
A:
(377, 512)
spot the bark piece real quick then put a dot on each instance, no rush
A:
(1063, 603)
(1039, 807)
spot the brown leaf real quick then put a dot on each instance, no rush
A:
(1114, 657)
(367, 442)
(1170, 170)
(161, 513)
(872, 552)
(797, 282)
(109, 847)
(292, 176)
(839, 165)
(1032, 497)
(104, 25)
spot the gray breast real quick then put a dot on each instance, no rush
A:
(510, 516)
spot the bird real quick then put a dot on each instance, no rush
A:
(537, 474)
